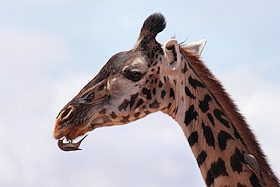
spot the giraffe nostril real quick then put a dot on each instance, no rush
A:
(66, 113)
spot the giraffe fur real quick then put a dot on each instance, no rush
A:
(171, 78)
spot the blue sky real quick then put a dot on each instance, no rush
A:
(50, 49)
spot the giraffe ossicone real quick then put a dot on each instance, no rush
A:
(171, 78)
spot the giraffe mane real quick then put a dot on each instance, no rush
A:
(227, 104)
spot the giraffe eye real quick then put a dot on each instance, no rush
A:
(133, 75)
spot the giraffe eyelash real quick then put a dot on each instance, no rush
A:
(181, 43)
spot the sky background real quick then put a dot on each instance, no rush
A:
(49, 49)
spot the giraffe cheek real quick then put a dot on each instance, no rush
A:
(113, 86)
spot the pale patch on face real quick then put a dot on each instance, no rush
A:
(111, 82)
(139, 62)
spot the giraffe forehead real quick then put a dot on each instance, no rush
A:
(138, 61)
(114, 66)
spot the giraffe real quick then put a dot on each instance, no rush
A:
(171, 78)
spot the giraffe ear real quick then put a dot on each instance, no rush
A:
(172, 60)
(195, 47)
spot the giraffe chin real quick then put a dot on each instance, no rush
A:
(76, 132)
(94, 126)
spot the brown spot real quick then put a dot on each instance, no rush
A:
(154, 91)
(101, 87)
(125, 119)
(103, 111)
(160, 84)
(147, 112)
(154, 105)
(201, 158)
(156, 80)
(163, 92)
(147, 92)
(132, 99)
(140, 102)
(169, 105)
(113, 115)
(171, 94)
(137, 114)
(124, 105)
(158, 70)
(184, 70)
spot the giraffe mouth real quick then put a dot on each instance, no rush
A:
(72, 134)
(69, 133)
(79, 126)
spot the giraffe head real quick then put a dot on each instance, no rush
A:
(131, 85)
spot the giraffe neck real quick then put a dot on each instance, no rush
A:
(216, 140)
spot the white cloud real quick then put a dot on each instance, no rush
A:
(30, 51)
(43, 1)
(25, 96)
(259, 101)
(67, 88)
(27, 58)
